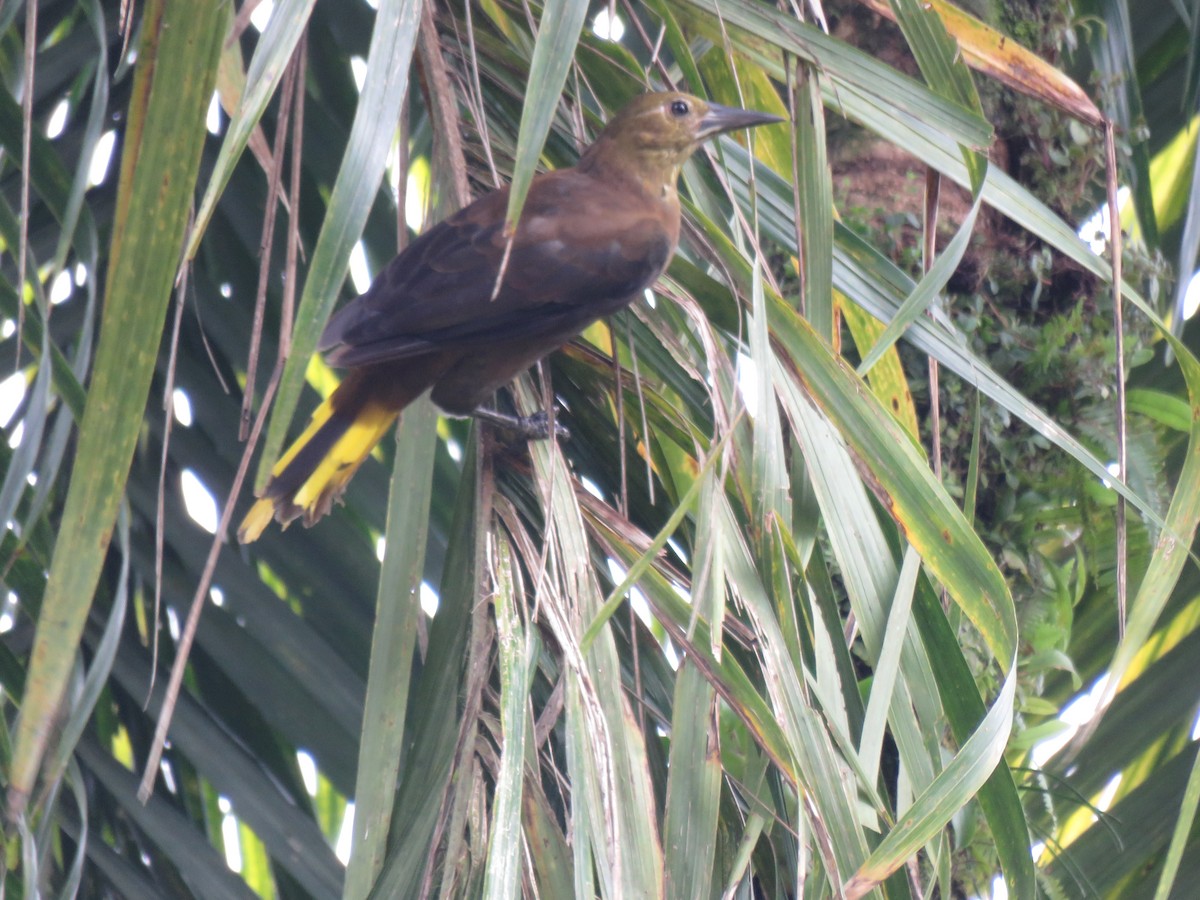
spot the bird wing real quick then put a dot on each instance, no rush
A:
(578, 254)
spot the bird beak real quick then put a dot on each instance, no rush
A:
(727, 118)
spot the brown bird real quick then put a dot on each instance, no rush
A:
(590, 239)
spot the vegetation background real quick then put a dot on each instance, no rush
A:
(798, 609)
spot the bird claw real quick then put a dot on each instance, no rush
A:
(531, 428)
(540, 427)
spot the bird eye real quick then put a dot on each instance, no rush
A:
(680, 108)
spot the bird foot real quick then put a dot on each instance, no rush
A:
(531, 428)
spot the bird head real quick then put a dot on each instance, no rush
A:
(655, 133)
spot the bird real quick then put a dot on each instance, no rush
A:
(461, 311)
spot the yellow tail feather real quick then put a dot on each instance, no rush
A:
(256, 521)
(328, 479)
(343, 460)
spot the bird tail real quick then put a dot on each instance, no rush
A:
(314, 471)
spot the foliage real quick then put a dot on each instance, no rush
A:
(733, 637)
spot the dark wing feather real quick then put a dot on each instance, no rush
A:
(578, 254)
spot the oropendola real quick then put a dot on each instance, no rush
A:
(442, 315)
